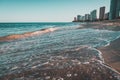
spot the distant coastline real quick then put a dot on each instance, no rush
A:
(113, 25)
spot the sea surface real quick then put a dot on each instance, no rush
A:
(50, 46)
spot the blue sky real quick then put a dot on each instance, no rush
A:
(47, 10)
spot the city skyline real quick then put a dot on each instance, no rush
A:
(47, 10)
(114, 13)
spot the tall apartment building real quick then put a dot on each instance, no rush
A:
(102, 13)
(114, 9)
(87, 17)
(93, 15)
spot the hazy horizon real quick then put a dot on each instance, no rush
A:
(47, 10)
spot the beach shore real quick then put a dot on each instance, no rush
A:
(110, 53)
(104, 25)
(92, 71)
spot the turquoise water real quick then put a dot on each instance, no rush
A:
(23, 54)
(19, 28)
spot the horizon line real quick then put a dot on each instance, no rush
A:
(38, 22)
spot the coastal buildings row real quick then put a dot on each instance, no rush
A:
(92, 16)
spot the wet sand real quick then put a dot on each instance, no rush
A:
(111, 54)
(66, 68)
(88, 71)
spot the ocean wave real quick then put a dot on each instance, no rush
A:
(27, 34)
(66, 50)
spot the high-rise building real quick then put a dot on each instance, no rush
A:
(75, 19)
(106, 16)
(118, 9)
(114, 9)
(87, 17)
(83, 18)
(93, 15)
(102, 13)
(78, 17)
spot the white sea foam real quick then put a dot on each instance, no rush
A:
(63, 47)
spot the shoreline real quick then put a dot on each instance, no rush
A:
(103, 25)
(66, 69)
(110, 53)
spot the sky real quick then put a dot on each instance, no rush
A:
(47, 10)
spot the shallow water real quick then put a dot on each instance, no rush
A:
(64, 47)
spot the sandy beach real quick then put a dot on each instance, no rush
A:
(92, 71)
(66, 68)
(111, 54)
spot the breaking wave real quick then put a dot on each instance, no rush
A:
(28, 34)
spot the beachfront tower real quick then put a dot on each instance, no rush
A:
(74, 19)
(114, 9)
(93, 15)
(87, 17)
(102, 13)
(83, 18)
(106, 16)
(78, 17)
(118, 9)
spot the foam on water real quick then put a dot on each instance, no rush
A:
(56, 48)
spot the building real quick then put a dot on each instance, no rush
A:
(83, 18)
(102, 13)
(87, 17)
(75, 19)
(114, 9)
(93, 15)
(106, 16)
(79, 17)
(118, 9)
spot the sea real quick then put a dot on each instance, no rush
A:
(45, 46)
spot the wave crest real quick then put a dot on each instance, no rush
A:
(28, 34)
